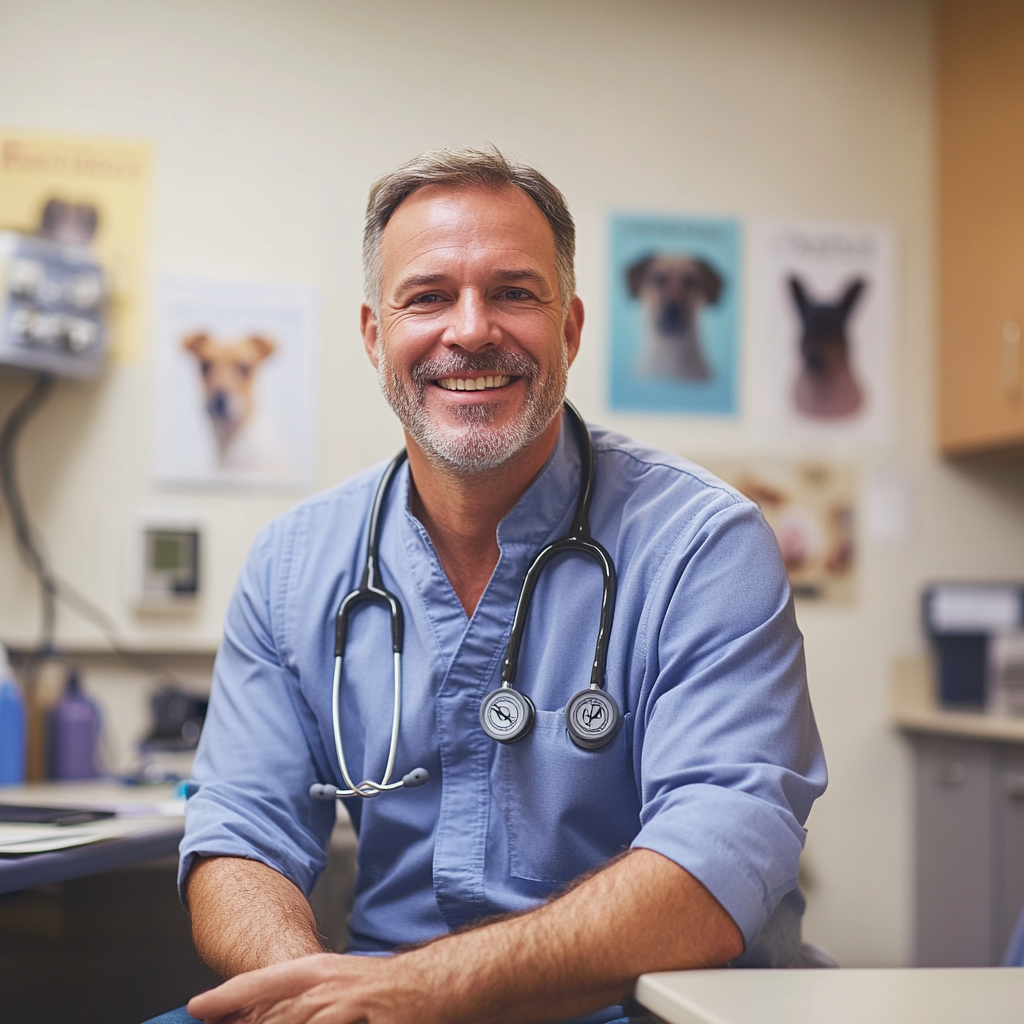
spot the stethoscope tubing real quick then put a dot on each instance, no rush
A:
(563, 546)
(372, 589)
(367, 788)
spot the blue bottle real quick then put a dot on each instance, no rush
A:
(12, 726)
(74, 730)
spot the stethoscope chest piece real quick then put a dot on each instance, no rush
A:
(591, 719)
(506, 715)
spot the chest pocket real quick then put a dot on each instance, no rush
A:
(566, 810)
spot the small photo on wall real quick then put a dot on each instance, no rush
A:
(821, 326)
(810, 507)
(235, 384)
(674, 318)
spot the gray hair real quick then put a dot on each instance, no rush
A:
(461, 167)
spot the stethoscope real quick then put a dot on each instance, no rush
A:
(506, 714)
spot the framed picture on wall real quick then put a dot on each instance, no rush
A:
(674, 318)
(821, 328)
(235, 384)
(811, 507)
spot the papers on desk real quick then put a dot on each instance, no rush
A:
(137, 810)
(18, 839)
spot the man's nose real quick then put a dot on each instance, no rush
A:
(472, 326)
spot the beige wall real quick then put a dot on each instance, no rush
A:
(271, 119)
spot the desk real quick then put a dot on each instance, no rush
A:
(151, 835)
(989, 995)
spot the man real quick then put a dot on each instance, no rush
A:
(675, 845)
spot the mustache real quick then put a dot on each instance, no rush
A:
(456, 364)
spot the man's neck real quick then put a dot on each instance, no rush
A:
(461, 511)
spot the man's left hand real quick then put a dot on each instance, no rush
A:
(327, 988)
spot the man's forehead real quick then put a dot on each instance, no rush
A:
(466, 212)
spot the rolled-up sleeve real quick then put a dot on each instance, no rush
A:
(258, 745)
(730, 760)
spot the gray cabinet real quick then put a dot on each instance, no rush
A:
(969, 810)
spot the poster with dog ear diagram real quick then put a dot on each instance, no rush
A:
(821, 327)
(674, 314)
(235, 366)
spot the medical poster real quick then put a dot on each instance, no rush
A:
(92, 192)
(674, 318)
(235, 384)
(810, 507)
(821, 331)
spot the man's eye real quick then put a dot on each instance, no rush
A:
(515, 294)
(427, 300)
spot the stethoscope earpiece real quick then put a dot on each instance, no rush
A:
(507, 715)
(591, 719)
(415, 778)
(323, 791)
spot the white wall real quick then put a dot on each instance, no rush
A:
(271, 118)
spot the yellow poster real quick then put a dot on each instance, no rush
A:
(87, 191)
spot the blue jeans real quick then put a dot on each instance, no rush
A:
(174, 1017)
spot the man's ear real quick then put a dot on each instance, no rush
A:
(368, 329)
(573, 328)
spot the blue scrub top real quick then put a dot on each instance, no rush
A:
(715, 766)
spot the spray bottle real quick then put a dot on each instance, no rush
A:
(74, 730)
(12, 726)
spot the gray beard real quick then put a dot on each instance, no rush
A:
(475, 445)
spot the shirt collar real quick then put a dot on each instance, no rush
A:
(546, 507)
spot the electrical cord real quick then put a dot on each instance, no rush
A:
(24, 535)
(52, 586)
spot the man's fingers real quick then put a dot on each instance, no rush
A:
(247, 992)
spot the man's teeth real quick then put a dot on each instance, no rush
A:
(469, 384)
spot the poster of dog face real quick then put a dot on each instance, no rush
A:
(234, 384)
(810, 507)
(821, 325)
(674, 314)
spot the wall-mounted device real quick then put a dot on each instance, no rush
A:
(165, 564)
(52, 306)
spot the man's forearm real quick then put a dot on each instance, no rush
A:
(586, 949)
(246, 916)
(566, 958)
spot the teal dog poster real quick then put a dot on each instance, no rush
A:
(675, 293)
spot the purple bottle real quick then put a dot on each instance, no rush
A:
(74, 729)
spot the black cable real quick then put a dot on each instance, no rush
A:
(52, 586)
(24, 535)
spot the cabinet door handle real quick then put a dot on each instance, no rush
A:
(951, 773)
(1011, 359)
(1013, 785)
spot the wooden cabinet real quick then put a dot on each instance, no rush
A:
(980, 127)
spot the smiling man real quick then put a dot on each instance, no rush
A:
(524, 881)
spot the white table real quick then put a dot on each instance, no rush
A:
(958, 995)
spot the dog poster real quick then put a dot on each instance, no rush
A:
(810, 507)
(821, 324)
(86, 192)
(675, 295)
(235, 384)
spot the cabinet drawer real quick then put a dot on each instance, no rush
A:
(954, 884)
